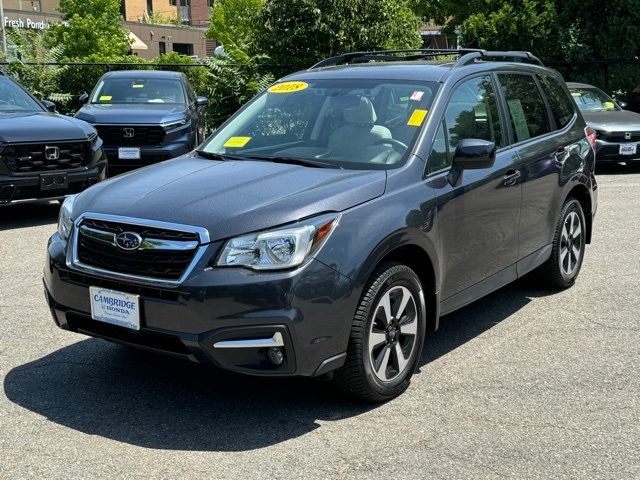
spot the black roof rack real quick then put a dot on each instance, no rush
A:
(466, 56)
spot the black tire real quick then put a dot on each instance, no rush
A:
(357, 377)
(551, 274)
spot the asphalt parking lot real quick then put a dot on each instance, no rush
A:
(522, 384)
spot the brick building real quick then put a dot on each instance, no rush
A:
(183, 28)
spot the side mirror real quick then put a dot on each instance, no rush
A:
(49, 105)
(623, 105)
(202, 101)
(471, 154)
(84, 98)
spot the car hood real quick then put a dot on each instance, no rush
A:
(230, 198)
(21, 127)
(124, 114)
(613, 121)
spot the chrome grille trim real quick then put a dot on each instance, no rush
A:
(147, 243)
(74, 263)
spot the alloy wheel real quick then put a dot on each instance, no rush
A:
(571, 244)
(392, 336)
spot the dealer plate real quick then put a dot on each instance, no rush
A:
(628, 149)
(116, 308)
(129, 153)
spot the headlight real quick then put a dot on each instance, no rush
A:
(278, 249)
(65, 220)
(93, 138)
(176, 124)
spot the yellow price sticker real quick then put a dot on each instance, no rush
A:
(137, 85)
(105, 98)
(236, 142)
(576, 94)
(288, 87)
(609, 106)
(417, 117)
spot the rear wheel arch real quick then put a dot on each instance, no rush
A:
(581, 193)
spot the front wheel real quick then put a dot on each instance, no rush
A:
(563, 267)
(386, 337)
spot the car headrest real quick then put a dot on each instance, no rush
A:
(361, 113)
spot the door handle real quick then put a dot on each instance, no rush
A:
(511, 178)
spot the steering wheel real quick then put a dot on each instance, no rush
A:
(4, 102)
(401, 147)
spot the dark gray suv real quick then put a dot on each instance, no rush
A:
(326, 227)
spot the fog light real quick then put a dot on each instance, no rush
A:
(276, 356)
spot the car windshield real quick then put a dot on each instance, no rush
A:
(342, 123)
(593, 100)
(139, 90)
(15, 99)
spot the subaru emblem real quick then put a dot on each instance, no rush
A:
(51, 153)
(128, 132)
(129, 241)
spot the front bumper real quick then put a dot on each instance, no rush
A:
(148, 155)
(26, 188)
(308, 310)
(609, 152)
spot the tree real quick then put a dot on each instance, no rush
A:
(235, 23)
(529, 25)
(94, 28)
(299, 33)
(32, 67)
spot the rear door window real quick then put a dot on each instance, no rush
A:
(527, 110)
(562, 106)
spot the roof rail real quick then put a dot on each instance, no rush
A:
(390, 56)
(514, 56)
(466, 56)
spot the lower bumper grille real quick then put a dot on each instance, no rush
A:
(146, 339)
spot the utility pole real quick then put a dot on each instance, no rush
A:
(4, 36)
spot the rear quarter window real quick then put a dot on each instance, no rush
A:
(562, 106)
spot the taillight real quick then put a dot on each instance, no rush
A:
(591, 136)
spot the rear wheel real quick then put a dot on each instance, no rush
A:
(563, 267)
(386, 337)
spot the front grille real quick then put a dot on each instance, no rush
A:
(160, 264)
(120, 135)
(619, 137)
(144, 231)
(46, 157)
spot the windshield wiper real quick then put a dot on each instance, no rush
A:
(219, 156)
(305, 162)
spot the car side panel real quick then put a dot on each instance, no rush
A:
(550, 163)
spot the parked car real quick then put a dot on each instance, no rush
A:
(634, 100)
(327, 226)
(144, 117)
(43, 155)
(617, 130)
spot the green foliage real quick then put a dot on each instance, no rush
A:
(232, 81)
(32, 69)
(593, 29)
(94, 29)
(301, 32)
(517, 25)
(156, 18)
(235, 23)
